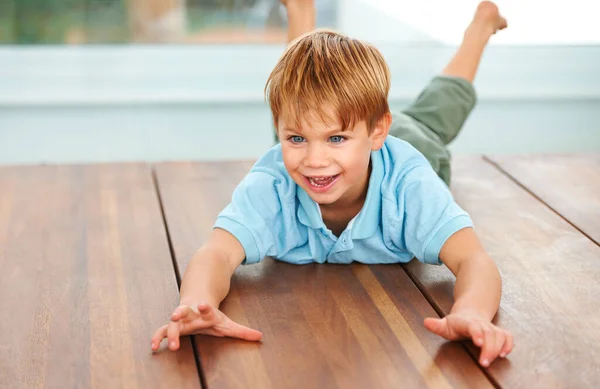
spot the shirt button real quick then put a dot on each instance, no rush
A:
(343, 240)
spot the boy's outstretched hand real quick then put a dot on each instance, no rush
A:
(205, 320)
(493, 340)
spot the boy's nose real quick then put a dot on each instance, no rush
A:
(316, 157)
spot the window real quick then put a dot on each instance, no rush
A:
(148, 21)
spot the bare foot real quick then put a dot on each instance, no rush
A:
(488, 14)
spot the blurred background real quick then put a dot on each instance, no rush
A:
(152, 80)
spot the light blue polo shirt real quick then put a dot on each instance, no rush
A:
(408, 212)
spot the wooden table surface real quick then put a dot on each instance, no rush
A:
(91, 257)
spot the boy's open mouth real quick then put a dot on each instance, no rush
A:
(321, 183)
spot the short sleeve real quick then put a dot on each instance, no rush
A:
(431, 215)
(253, 216)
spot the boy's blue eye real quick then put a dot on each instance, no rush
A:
(336, 139)
(296, 139)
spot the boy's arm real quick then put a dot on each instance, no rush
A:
(205, 284)
(477, 297)
(478, 285)
(207, 277)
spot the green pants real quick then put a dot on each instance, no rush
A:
(434, 119)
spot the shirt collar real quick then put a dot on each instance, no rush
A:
(365, 224)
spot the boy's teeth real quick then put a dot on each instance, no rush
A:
(321, 181)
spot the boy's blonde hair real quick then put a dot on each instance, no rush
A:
(324, 70)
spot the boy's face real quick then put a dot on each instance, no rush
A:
(331, 165)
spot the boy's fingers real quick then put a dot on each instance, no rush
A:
(243, 332)
(173, 335)
(180, 312)
(508, 345)
(489, 343)
(476, 333)
(460, 326)
(158, 336)
(500, 340)
(186, 312)
(437, 326)
(207, 313)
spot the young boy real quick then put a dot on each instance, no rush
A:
(338, 188)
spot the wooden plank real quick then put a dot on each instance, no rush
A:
(324, 326)
(551, 282)
(86, 278)
(569, 184)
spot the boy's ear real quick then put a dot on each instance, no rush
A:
(381, 131)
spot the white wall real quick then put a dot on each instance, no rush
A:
(106, 103)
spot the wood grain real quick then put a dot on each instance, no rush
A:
(569, 184)
(551, 281)
(86, 278)
(324, 326)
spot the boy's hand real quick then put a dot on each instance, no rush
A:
(494, 341)
(206, 320)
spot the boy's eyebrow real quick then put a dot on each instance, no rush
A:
(287, 129)
(335, 130)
